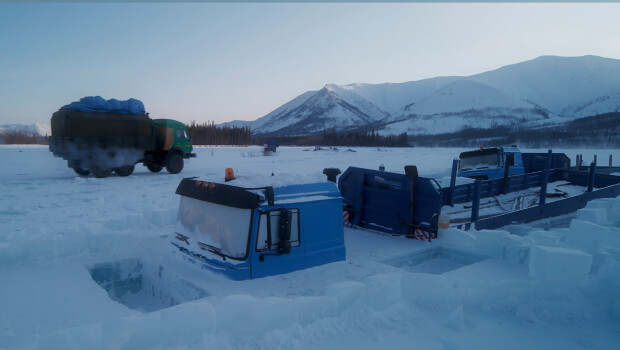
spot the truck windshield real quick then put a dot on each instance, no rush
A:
(224, 228)
(479, 160)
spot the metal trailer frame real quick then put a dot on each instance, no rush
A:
(396, 203)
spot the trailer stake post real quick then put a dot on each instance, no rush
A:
(591, 176)
(545, 180)
(475, 203)
(455, 165)
(509, 159)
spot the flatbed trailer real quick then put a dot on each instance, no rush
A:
(411, 205)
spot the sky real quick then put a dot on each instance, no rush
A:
(222, 62)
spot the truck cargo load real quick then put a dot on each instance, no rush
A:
(99, 104)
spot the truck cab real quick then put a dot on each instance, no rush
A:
(490, 163)
(251, 233)
(174, 134)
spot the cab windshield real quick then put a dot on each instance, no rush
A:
(222, 229)
(483, 159)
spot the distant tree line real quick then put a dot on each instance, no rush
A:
(357, 138)
(209, 134)
(21, 137)
(333, 138)
(594, 131)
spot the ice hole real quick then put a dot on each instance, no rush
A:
(437, 261)
(144, 286)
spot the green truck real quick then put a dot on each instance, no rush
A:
(100, 137)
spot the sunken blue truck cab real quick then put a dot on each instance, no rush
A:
(247, 233)
(498, 162)
(490, 163)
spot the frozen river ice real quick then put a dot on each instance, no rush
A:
(86, 263)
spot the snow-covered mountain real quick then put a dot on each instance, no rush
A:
(33, 129)
(543, 91)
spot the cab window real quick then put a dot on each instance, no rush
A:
(180, 134)
(269, 226)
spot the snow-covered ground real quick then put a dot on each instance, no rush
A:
(86, 263)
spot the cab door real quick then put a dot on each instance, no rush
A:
(182, 140)
(278, 247)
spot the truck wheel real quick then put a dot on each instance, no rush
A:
(155, 168)
(80, 171)
(124, 170)
(100, 173)
(174, 163)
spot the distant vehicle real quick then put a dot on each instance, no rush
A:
(271, 146)
(491, 163)
(251, 233)
(98, 136)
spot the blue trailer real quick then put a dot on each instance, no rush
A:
(247, 233)
(412, 205)
(389, 202)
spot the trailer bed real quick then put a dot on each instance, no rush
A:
(510, 202)
(411, 205)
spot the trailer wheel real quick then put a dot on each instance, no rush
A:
(174, 163)
(80, 171)
(124, 170)
(101, 173)
(155, 168)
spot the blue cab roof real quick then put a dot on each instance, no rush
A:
(251, 198)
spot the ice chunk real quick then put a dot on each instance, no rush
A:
(172, 327)
(428, 289)
(559, 267)
(615, 310)
(383, 290)
(526, 313)
(489, 271)
(456, 319)
(78, 338)
(615, 212)
(604, 203)
(347, 293)
(609, 275)
(236, 311)
(249, 314)
(587, 236)
(596, 215)
(312, 308)
(274, 313)
(547, 238)
(499, 243)
(456, 237)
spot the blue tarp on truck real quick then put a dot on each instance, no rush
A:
(99, 104)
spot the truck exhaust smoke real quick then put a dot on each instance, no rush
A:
(105, 158)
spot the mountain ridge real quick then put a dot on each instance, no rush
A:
(547, 89)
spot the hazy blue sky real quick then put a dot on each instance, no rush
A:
(198, 61)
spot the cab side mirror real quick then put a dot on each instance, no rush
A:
(284, 231)
(510, 159)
